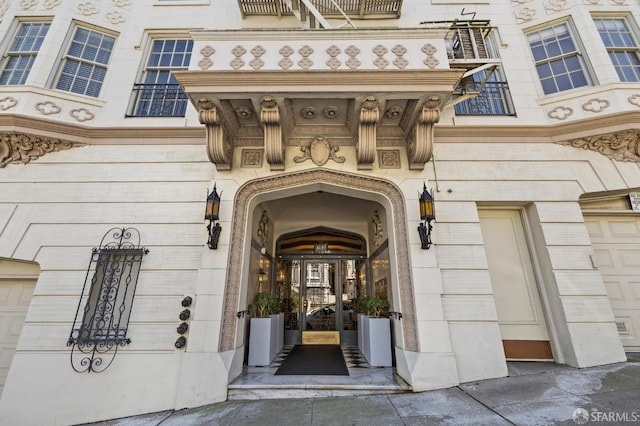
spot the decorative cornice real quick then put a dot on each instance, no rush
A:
(76, 132)
(620, 146)
(23, 148)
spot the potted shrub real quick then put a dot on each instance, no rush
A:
(266, 329)
(374, 331)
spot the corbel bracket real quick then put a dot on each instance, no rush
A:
(273, 143)
(219, 142)
(369, 116)
(420, 142)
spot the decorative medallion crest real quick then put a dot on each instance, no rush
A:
(319, 151)
(620, 146)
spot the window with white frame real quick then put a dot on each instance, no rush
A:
(22, 52)
(84, 67)
(158, 94)
(621, 46)
(558, 58)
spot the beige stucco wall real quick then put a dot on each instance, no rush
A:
(56, 209)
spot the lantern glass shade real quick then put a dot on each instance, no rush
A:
(213, 206)
(426, 206)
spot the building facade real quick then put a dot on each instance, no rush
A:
(319, 131)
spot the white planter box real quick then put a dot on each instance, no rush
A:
(266, 336)
(374, 334)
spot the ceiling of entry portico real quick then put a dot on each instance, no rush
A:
(320, 208)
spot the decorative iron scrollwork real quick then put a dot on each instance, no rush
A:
(101, 328)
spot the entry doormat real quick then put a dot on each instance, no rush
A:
(314, 360)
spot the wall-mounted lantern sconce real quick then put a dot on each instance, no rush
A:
(427, 214)
(211, 214)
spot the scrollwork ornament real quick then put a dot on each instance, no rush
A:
(24, 148)
(28, 4)
(556, 5)
(634, 100)
(8, 103)
(320, 150)
(87, 9)
(560, 113)
(48, 108)
(50, 4)
(115, 17)
(596, 105)
(82, 114)
(122, 3)
(526, 14)
(621, 146)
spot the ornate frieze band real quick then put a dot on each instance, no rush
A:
(16, 148)
(620, 146)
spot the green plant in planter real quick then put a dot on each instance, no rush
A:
(265, 304)
(374, 306)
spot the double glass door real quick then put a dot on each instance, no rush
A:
(318, 294)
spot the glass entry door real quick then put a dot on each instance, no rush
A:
(319, 295)
(320, 303)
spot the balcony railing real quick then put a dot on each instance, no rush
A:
(157, 100)
(352, 8)
(493, 99)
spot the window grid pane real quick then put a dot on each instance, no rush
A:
(160, 95)
(22, 53)
(84, 67)
(622, 48)
(558, 60)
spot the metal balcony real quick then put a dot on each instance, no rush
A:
(310, 11)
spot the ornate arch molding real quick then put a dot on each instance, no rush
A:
(620, 146)
(295, 180)
(23, 148)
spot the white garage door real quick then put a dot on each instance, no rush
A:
(616, 245)
(17, 281)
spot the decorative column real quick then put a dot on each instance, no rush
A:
(273, 144)
(219, 142)
(366, 148)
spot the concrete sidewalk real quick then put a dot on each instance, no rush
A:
(533, 394)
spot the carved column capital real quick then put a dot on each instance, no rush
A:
(273, 143)
(219, 143)
(420, 142)
(366, 148)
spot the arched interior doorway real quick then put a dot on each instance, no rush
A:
(319, 275)
(358, 205)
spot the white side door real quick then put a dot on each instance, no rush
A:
(520, 315)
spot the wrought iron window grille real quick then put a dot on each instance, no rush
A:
(157, 100)
(100, 328)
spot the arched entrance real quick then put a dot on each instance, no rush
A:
(254, 193)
